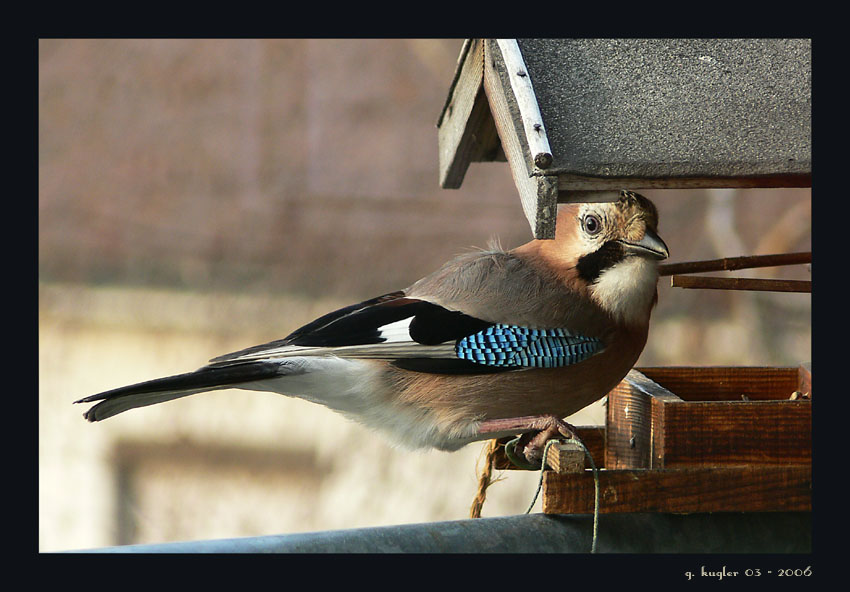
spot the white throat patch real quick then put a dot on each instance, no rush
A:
(627, 289)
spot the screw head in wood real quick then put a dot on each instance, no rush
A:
(543, 160)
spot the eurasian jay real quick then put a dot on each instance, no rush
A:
(493, 343)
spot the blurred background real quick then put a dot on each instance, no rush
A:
(201, 196)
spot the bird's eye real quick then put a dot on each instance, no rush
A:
(591, 224)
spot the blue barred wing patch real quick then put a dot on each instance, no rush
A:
(511, 346)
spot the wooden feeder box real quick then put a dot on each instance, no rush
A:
(578, 119)
(696, 439)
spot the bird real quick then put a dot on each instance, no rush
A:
(494, 343)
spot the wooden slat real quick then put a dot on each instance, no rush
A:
(526, 102)
(629, 421)
(464, 113)
(727, 489)
(588, 197)
(714, 433)
(639, 381)
(573, 182)
(538, 195)
(725, 383)
(804, 378)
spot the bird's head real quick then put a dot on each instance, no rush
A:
(610, 233)
(611, 250)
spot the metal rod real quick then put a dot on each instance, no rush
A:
(760, 532)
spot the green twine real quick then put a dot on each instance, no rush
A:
(595, 487)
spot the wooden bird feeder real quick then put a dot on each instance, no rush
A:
(579, 118)
(691, 439)
(576, 119)
(697, 439)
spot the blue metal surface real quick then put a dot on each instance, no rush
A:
(768, 532)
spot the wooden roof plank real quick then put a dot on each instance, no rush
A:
(538, 194)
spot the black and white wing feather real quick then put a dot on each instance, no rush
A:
(410, 332)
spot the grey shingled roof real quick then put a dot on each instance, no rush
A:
(674, 108)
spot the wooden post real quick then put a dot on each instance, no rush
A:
(566, 457)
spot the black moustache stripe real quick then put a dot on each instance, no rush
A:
(591, 266)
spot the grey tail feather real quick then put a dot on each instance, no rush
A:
(159, 390)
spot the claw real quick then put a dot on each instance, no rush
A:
(517, 459)
(526, 451)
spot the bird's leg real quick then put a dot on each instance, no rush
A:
(534, 430)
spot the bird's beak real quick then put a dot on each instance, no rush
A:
(651, 244)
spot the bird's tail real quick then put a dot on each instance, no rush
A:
(159, 390)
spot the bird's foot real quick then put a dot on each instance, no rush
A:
(526, 451)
